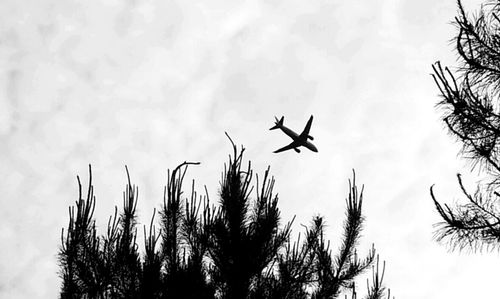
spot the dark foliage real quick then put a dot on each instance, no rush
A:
(237, 249)
(471, 112)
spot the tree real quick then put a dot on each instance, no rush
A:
(469, 98)
(236, 249)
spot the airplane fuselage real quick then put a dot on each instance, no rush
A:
(310, 146)
(296, 137)
(289, 132)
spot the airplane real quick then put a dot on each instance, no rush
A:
(298, 140)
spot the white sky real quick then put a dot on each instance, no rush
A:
(153, 83)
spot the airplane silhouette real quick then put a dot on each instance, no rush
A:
(298, 140)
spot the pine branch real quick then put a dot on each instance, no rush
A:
(377, 290)
(127, 268)
(151, 275)
(474, 225)
(337, 273)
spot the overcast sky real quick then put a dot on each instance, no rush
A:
(150, 84)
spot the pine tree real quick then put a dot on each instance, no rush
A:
(469, 98)
(236, 249)
(245, 236)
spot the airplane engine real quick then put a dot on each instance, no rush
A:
(296, 149)
(310, 137)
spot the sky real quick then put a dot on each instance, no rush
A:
(152, 83)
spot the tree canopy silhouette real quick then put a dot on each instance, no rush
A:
(469, 98)
(236, 249)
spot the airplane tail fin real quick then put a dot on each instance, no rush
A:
(278, 123)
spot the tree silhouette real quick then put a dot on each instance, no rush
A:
(236, 249)
(469, 99)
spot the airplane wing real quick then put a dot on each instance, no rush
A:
(285, 148)
(305, 133)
